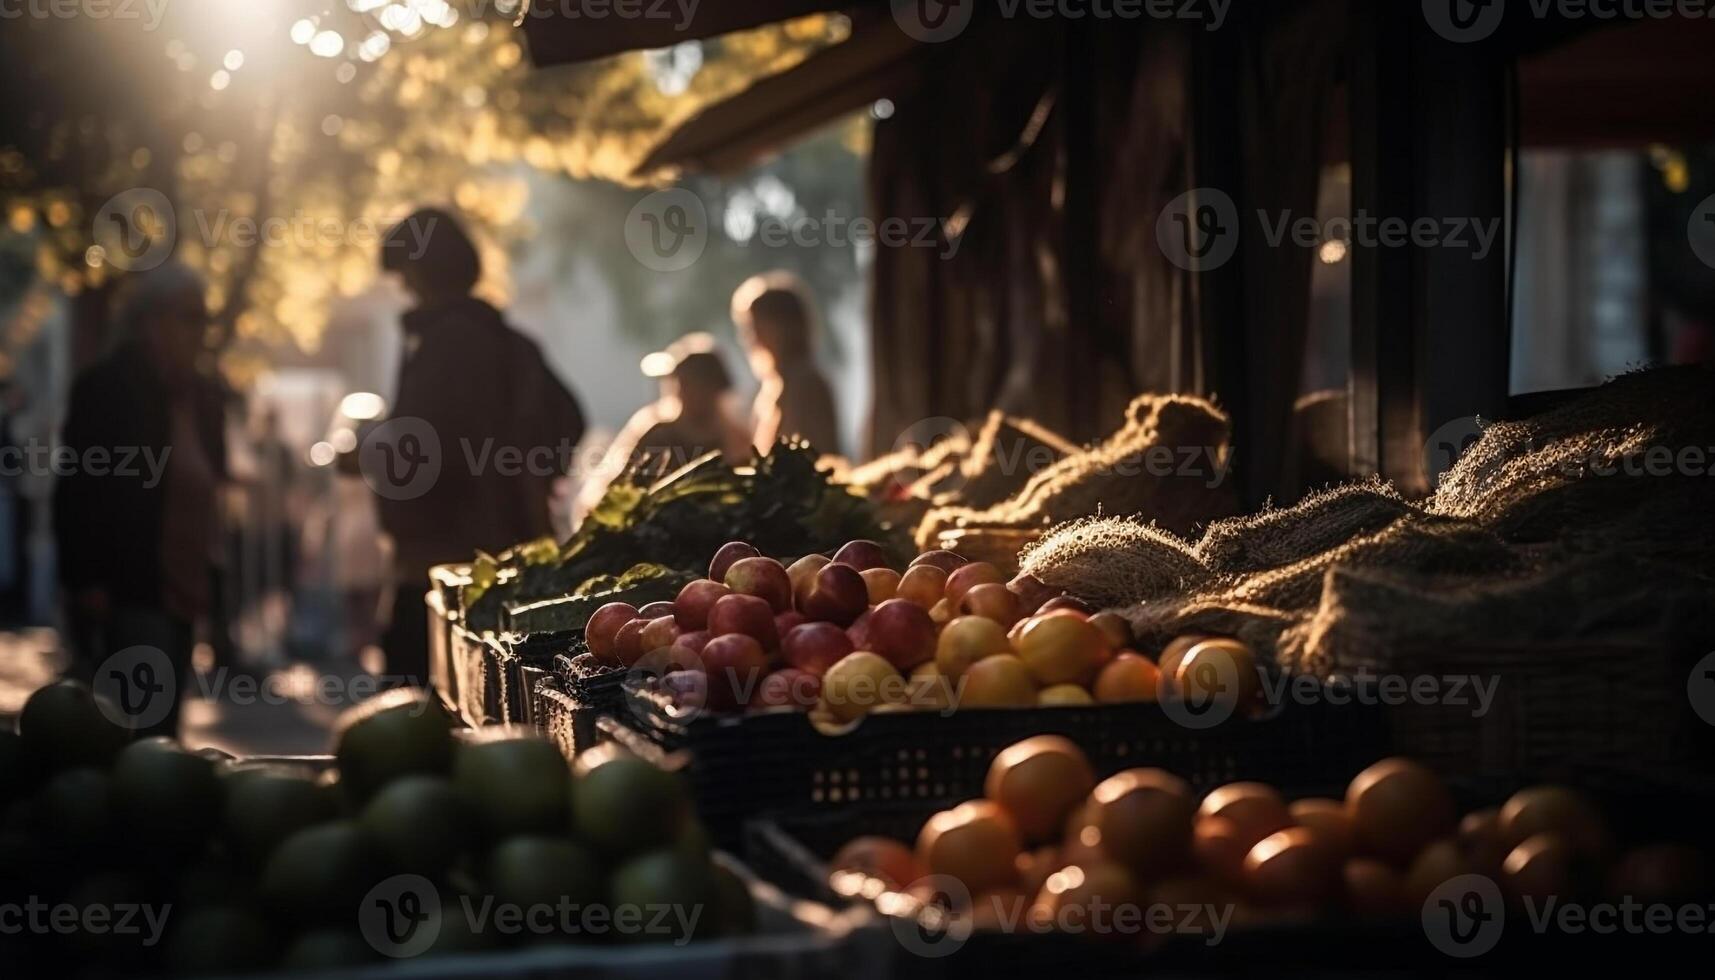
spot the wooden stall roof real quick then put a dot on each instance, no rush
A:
(555, 38)
(878, 61)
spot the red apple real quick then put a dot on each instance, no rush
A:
(692, 642)
(787, 621)
(992, 600)
(730, 552)
(861, 555)
(747, 614)
(946, 561)
(803, 575)
(858, 631)
(788, 688)
(902, 632)
(735, 665)
(1064, 603)
(655, 610)
(763, 577)
(691, 609)
(960, 580)
(602, 626)
(628, 642)
(659, 633)
(838, 596)
(1033, 593)
(814, 647)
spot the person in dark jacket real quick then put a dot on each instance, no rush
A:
(479, 397)
(142, 457)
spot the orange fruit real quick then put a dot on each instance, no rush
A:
(1172, 655)
(1397, 807)
(1295, 866)
(1220, 671)
(1328, 818)
(1040, 781)
(1061, 649)
(966, 640)
(1145, 818)
(878, 857)
(1256, 808)
(1127, 677)
(1079, 896)
(1061, 695)
(1114, 627)
(975, 842)
(1000, 681)
(1220, 847)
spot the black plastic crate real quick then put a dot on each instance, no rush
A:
(741, 766)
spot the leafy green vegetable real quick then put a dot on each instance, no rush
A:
(780, 503)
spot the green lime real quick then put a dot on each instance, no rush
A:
(265, 806)
(396, 733)
(514, 783)
(326, 949)
(76, 808)
(20, 769)
(623, 804)
(321, 873)
(166, 796)
(544, 872)
(669, 892)
(218, 939)
(420, 823)
(62, 725)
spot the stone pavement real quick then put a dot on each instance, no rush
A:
(285, 711)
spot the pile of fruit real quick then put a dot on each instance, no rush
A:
(845, 636)
(1049, 844)
(486, 839)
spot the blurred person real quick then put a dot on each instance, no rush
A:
(691, 417)
(777, 324)
(480, 387)
(137, 532)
